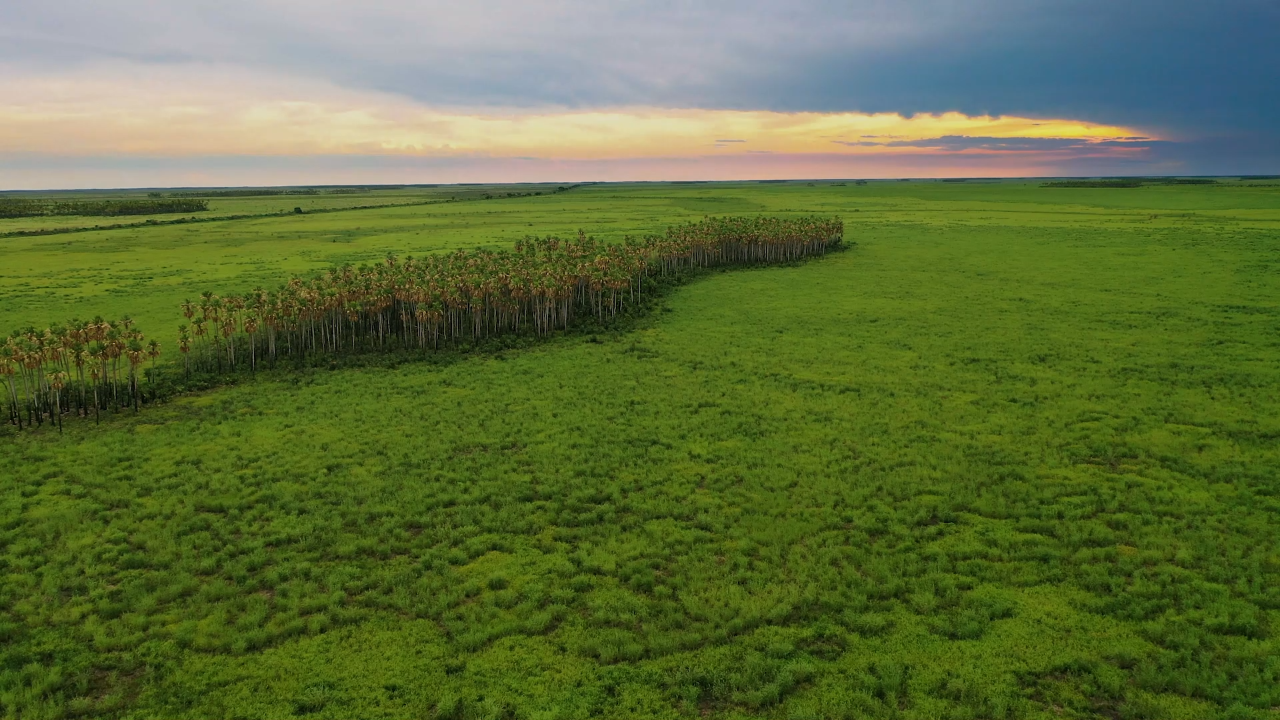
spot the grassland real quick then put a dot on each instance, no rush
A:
(1014, 454)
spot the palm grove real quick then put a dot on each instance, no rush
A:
(541, 286)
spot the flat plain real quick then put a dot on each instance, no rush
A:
(1013, 453)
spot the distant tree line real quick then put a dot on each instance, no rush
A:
(346, 190)
(275, 192)
(1128, 182)
(245, 192)
(19, 208)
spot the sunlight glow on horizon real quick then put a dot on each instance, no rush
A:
(215, 111)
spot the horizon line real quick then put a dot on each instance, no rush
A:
(394, 186)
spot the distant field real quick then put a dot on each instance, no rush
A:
(147, 271)
(249, 204)
(1012, 455)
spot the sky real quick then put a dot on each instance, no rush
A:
(145, 93)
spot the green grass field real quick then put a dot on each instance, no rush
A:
(240, 207)
(1014, 454)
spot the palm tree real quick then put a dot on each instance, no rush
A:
(184, 346)
(134, 352)
(57, 381)
(153, 352)
(8, 359)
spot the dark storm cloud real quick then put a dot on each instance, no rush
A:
(1192, 68)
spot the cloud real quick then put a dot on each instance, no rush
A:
(202, 110)
(1076, 146)
(964, 142)
(1174, 67)
(399, 76)
(1185, 65)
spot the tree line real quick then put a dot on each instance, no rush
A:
(243, 193)
(273, 192)
(540, 286)
(1128, 182)
(19, 208)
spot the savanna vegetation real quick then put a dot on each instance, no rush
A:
(541, 286)
(1012, 455)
